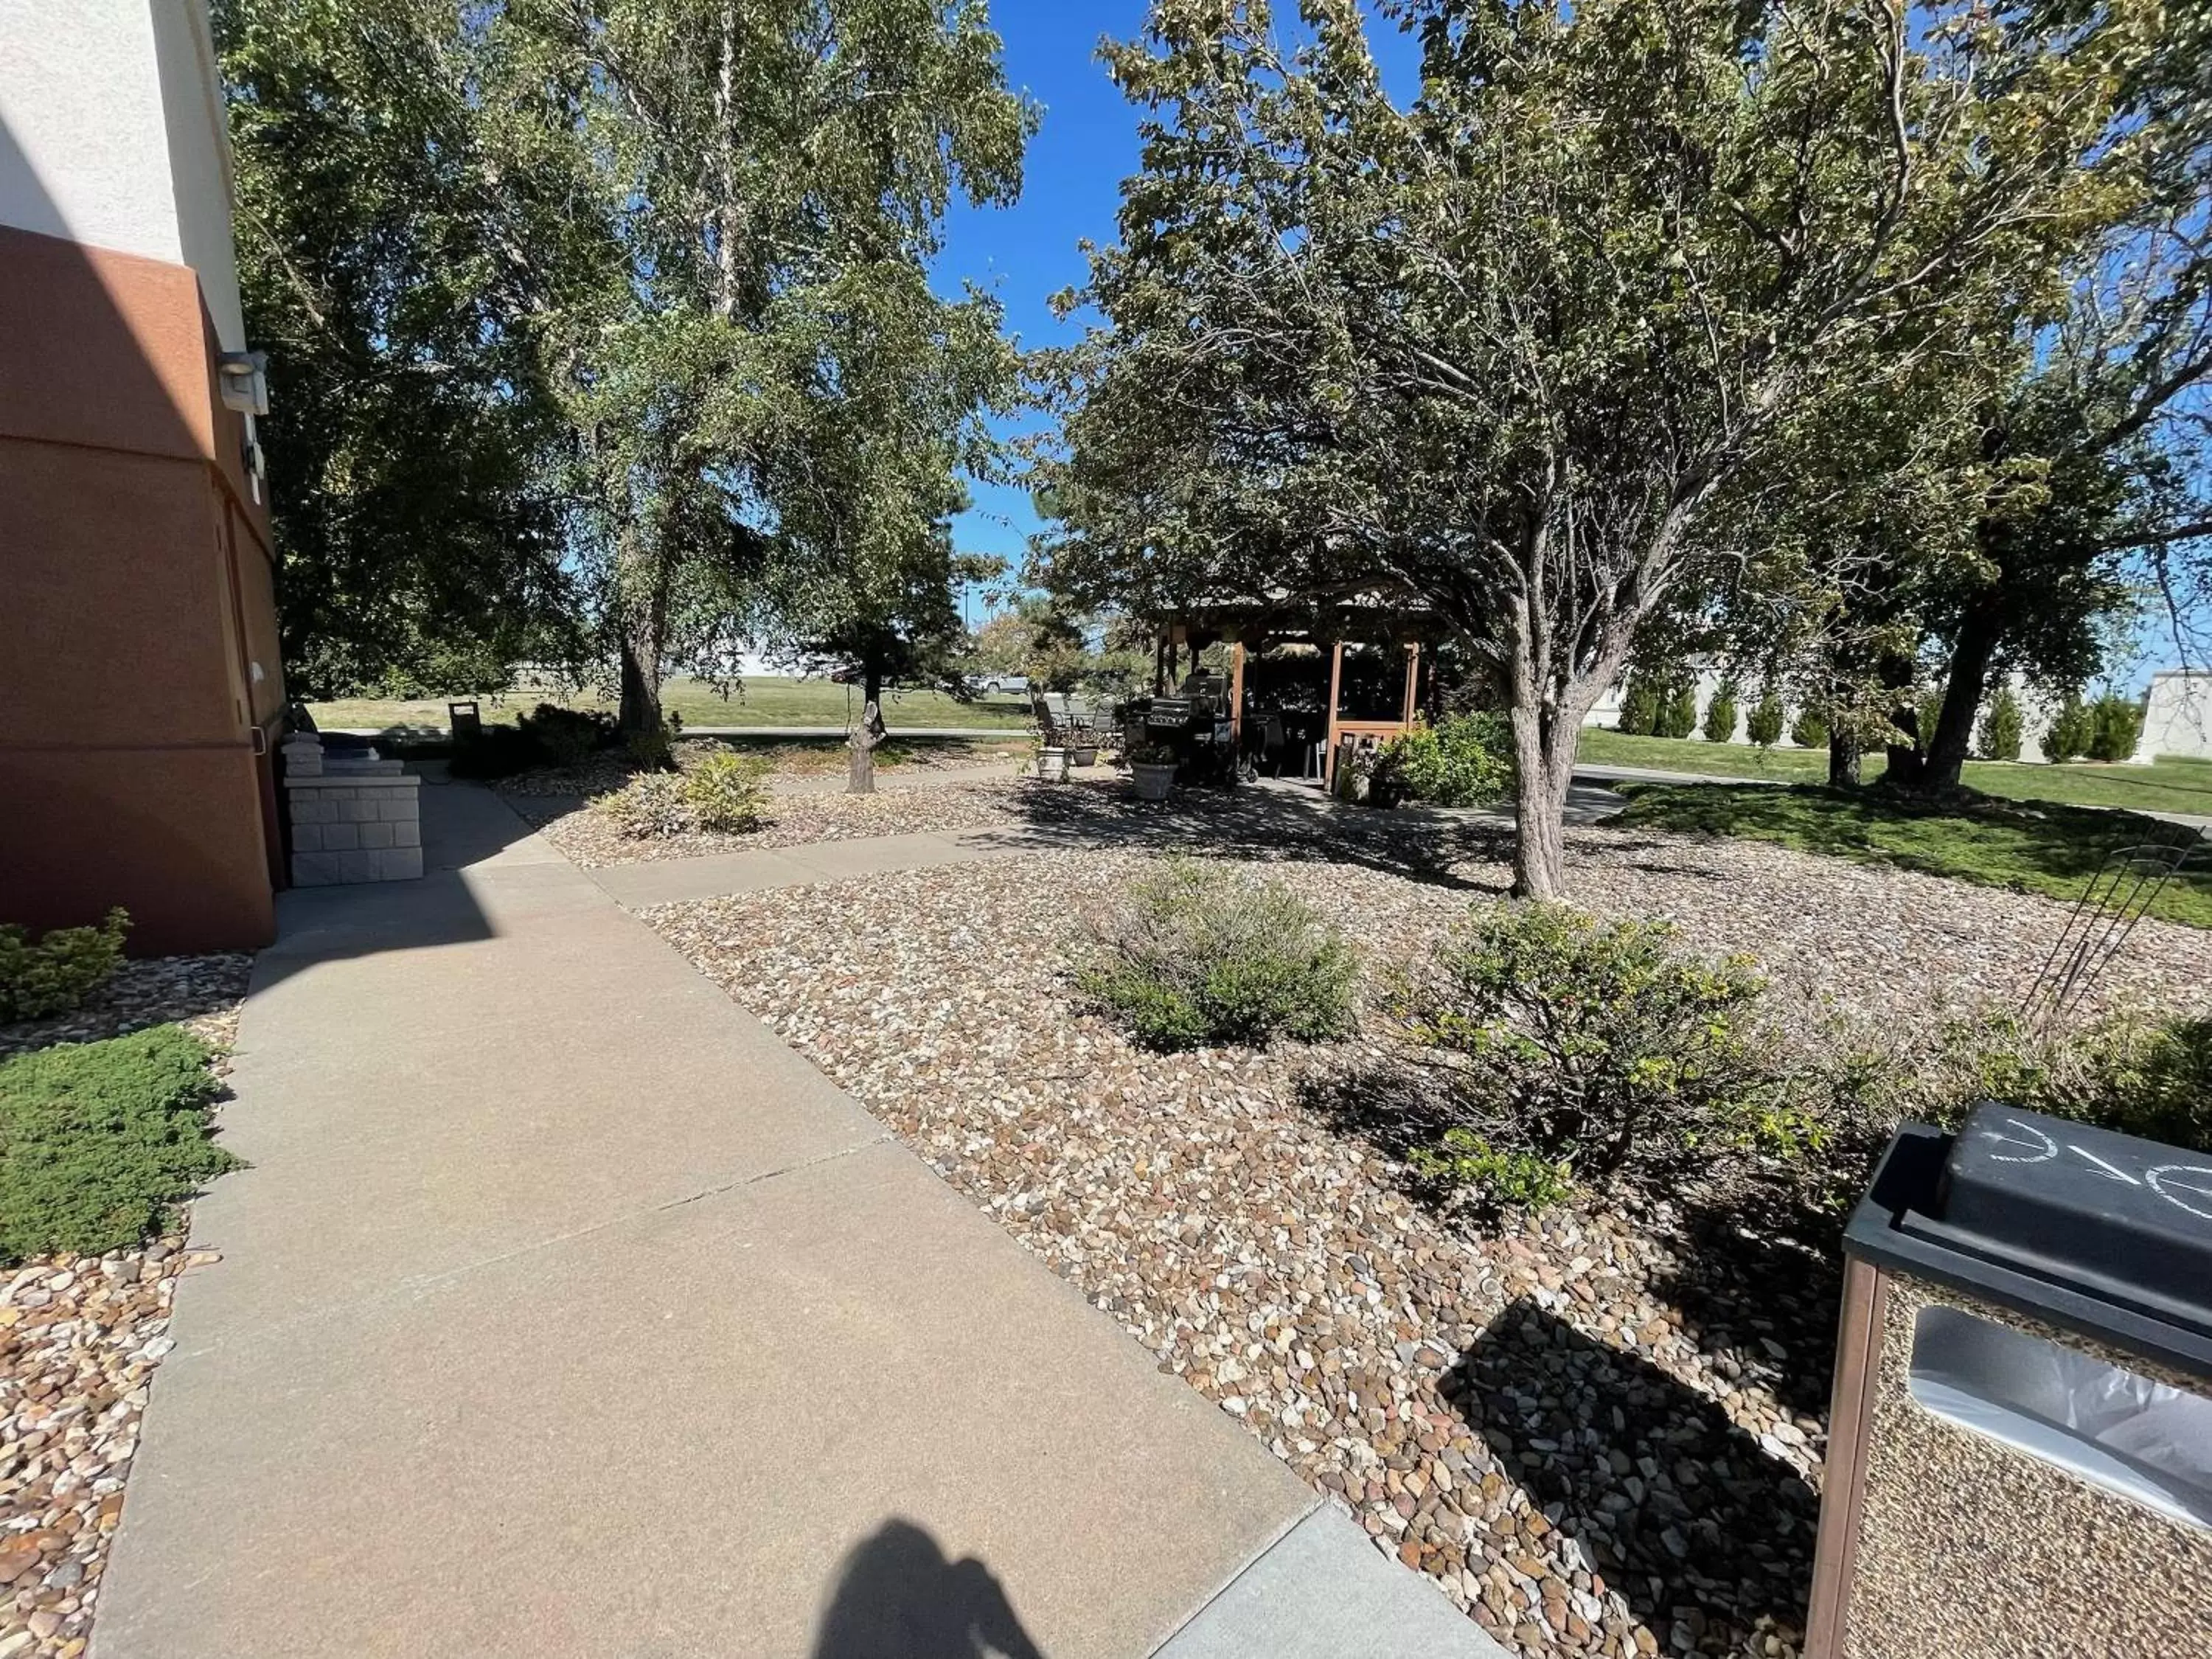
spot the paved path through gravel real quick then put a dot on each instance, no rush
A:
(563, 1310)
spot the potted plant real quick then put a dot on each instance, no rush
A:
(1153, 767)
(1051, 761)
(1084, 751)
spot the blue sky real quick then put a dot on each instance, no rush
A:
(1086, 145)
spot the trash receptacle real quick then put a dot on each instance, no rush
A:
(2020, 1457)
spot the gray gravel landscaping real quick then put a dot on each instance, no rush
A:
(1600, 1432)
(79, 1338)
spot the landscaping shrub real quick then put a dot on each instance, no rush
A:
(2115, 727)
(1811, 731)
(56, 973)
(650, 751)
(1588, 1047)
(99, 1140)
(2003, 729)
(496, 751)
(651, 807)
(1639, 704)
(725, 792)
(1678, 712)
(2071, 733)
(2138, 1074)
(1196, 954)
(567, 737)
(1764, 725)
(1465, 760)
(1521, 1180)
(1720, 714)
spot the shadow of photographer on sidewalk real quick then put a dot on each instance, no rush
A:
(898, 1597)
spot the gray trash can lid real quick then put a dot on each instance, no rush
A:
(2094, 1231)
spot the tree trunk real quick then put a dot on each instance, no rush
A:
(1843, 760)
(1544, 769)
(639, 715)
(1907, 762)
(1979, 633)
(867, 733)
(640, 633)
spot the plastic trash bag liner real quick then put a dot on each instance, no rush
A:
(2110, 1426)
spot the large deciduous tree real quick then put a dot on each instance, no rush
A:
(1514, 349)
(772, 402)
(392, 260)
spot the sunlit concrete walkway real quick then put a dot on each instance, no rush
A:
(563, 1310)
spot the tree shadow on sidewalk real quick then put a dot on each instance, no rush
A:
(1679, 1509)
(898, 1597)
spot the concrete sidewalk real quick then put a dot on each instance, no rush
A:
(563, 1310)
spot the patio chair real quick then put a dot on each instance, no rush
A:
(1071, 732)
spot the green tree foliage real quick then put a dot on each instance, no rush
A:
(2003, 729)
(1810, 731)
(1639, 704)
(2072, 730)
(774, 404)
(618, 313)
(396, 256)
(1511, 351)
(2115, 727)
(1764, 723)
(1720, 714)
(1677, 711)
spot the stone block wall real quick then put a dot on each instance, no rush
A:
(349, 826)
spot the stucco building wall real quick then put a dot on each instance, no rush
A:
(140, 690)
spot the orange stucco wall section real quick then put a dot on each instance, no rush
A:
(136, 595)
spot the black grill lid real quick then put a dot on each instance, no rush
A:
(2098, 1232)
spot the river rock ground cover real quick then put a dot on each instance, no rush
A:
(1600, 1431)
(79, 1337)
(931, 788)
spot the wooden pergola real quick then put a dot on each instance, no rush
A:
(1331, 621)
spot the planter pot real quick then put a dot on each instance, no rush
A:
(1052, 765)
(1154, 782)
(1085, 754)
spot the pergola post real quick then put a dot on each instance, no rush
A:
(1328, 749)
(1237, 697)
(1413, 682)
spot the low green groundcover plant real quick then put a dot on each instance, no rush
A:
(1196, 954)
(57, 971)
(100, 1140)
(1464, 760)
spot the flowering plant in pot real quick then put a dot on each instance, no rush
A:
(1152, 765)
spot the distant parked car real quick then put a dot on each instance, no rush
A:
(846, 673)
(995, 685)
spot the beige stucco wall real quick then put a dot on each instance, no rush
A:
(2177, 716)
(112, 135)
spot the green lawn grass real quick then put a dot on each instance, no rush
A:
(764, 701)
(98, 1141)
(2168, 784)
(2055, 850)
